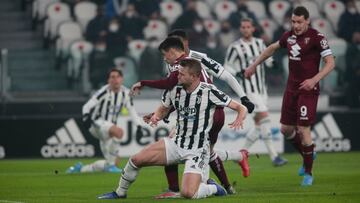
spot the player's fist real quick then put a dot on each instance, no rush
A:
(147, 118)
(154, 120)
(135, 89)
(249, 71)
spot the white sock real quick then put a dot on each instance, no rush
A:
(129, 176)
(251, 137)
(97, 166)
(205, 190)
(226, 155)
(265, 132)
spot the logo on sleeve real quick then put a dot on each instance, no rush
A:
(324, 44)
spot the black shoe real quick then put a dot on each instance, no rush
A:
(247, 103)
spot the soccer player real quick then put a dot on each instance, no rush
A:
(101, 113)
(173, 50)
(195, 103)
(306, 46)
(239, 54)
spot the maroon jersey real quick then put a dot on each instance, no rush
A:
(304, 52)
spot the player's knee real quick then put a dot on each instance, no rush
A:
(116, 132)
(136, 160)
(286, 131)
(187, 193)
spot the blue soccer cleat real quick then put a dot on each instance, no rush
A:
(110, 195)
(308, 180)
(279, 161)
(220, 190)
(75, 169)
(112, 169)
(301, 171)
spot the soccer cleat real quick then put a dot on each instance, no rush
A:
(168, 194)
(230, 190)
(301, 171)
(244, 163)
(247, 103)
(75, 169)
(279, 161)
(110, 195)
(308, 180)
(112, 169)
(220, 191)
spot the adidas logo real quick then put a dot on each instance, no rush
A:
(328, 136)
(68, 141)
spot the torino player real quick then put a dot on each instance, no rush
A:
(306, 46)
(173, 50)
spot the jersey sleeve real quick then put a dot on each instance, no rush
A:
(166, 98)
(218, 97)
(230, 58)
(323, 45)
(212, 66)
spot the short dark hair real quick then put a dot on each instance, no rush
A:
(178, 33)
(301, 11)
(171, 42)
(193, 65)
(115, 70)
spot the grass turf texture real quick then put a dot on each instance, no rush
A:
(337, 179)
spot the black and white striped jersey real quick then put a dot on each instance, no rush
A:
(209, 65)
(194, 113)
(107, 105)
(239, 56)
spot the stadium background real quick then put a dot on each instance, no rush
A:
(54, 54)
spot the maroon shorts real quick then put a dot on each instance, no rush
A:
(218, 123)
(298, 108)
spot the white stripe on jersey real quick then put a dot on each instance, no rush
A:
(194, 113)
(240, 55)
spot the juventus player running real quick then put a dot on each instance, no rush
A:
(194, 102)
(239, 55)
(306, 46)
(101, 113)
(173, 51)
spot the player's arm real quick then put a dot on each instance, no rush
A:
(329, 65)
(90, 105)
(159, 114)
(132, 111)
(165, 83)
(269, 51)
(241, 114)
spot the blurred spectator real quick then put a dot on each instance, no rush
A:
(198, 35)
(151, 63)
(186, 19)
(243, 12)
(96, 28)
(133, 23)
(227, 35)
(116, 43)
(352, 73)
(349, 21)
(147, 8)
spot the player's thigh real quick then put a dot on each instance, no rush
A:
(153, 154)
(218, 123)
(306, 109)
(289, 108)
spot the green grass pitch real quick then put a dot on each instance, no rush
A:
(337, 179)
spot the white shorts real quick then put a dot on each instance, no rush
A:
(100, 129)
(260, 102)
(196, 161)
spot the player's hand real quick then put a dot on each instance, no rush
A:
(154, 120)
(147, 118)
(308, 84)
(135, 89)
(237, 124)
(249, 71)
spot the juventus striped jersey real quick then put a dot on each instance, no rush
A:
(240, 55)
(107, 105)
(195, 112)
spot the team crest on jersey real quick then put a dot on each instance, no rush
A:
(174, 67)
(324, 44)
(291, 40)
(307, 40)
